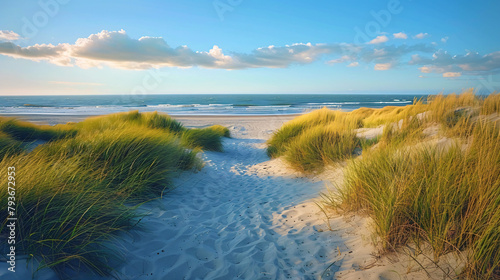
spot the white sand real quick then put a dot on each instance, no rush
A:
(245, 216)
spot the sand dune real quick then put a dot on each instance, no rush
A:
(244, 216)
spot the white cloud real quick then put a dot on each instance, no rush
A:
(117, 50)
(379, 39)
(400, 35)
(382, 66)
(444, 39)
(452, 74)
(342, 59)
(472, 63)
(421, 36)
(425, 69)
(393, 54)
(9, 35)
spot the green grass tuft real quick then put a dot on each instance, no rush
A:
(9, 146)
(433, 178)
(79, 191)
(67, 217)
(446, 196)
(27, 132)
(285, 136)
(205, 139)
(133, 162)
(221, 130)
(318, 147)
(152, 120)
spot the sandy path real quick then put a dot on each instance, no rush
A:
(225, 223)
(222, 225)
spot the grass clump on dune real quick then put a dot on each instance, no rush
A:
(371, 117)
(456, 114)
(80, 190)
(491, 104)
(221, 130)
(433, 179)
(204, 138)
(318, 147)
(9, 146)
(417, 191)
(448, 197)
(66, 218)
(133, 162)
(285, 137)
(153, 120)
(26, 132)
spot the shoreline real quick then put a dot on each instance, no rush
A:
(62, 119)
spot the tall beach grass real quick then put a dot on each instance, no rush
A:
(79, 191)
(416, 190)
(447, 197)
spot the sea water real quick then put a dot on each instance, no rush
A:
(199, 104)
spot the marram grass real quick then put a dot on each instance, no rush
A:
(152, 120)
(446, 196)
(202, 138)
(284, 138)
(25, 131)
(221, 130)
(76, 193)
(9, 146)
(132, 162)
(320, 146)
(65, 217)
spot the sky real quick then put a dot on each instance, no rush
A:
(56, 47)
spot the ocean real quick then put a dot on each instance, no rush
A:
(198, 104)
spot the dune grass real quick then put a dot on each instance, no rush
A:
(491, 104)
(418, 192)
(221, 130)
(152, 120)
(26, 132)
(76, 193)
(445, 196)
(9, 146)
(202, 138)
(320, 146)
(370, 117)
(277, 145)
(65, 217)
(133, 162)
(315, 139)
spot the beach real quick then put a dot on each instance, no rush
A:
(220, 140)
(245, 216)
(242, 216)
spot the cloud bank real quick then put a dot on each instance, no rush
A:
(9, 35)
(116, 49)
(400, 35)
(421, 36)
(379, 39)
(472, 63)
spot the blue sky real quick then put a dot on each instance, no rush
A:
(243, 46)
